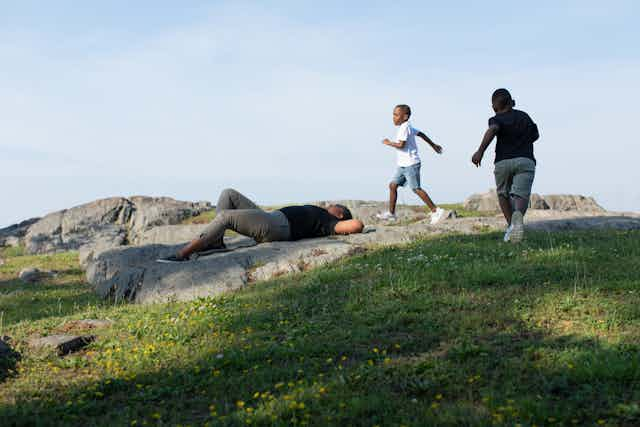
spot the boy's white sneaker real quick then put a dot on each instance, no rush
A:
(437, 215)
(507, 233)
(386, 216)
(517, 222)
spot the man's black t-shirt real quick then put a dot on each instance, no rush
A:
(309, 221)
(516, 135)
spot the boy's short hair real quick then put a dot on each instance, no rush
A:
(346, 213)
(405, 108)
(503, 98)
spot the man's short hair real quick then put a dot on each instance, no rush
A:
(405, 109)
(503, 98)
(346, 213)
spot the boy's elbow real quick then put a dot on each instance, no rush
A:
(358, 226)
(536, 136)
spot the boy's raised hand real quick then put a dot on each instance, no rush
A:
(437, 148)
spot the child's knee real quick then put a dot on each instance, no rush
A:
(393, 186)
(417, 190)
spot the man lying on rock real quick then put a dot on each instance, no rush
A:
(236, 212)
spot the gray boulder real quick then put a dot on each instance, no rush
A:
(150, 212)
(34, 275)
(483, 202)
(12, 235)
(62, 344)
(488, 202)
(568, 202)
(71, 228)
(106, 223)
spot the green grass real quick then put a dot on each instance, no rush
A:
(462, 212)
(204, 218)
(458, 330)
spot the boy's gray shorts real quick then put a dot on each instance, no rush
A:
(515, 177)
(407, 175)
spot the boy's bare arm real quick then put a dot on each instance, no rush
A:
(399, 144)
(476, 159)
(436, 147)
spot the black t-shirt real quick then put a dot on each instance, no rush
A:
(516, 135)
(309, 221)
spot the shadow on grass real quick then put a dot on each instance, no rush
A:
(384, 343)
(21, 301)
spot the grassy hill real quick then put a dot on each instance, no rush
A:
(458, 330)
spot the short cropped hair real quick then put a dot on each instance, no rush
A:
(503, 98)
(346, 213)
(405, 109)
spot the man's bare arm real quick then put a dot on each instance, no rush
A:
(349, 226)
(436, 147)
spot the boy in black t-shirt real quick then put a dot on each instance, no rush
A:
(515, 165)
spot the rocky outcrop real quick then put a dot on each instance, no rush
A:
(488, 202)
(568, 202)
(106, 223)
(132, 274)
(12, 235)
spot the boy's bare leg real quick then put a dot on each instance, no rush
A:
(425, 198)
(393, 197)
(507, 209)
(520, 204)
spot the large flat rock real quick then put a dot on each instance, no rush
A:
(131, 273)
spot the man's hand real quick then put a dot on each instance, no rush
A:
(437, 148)
(476, 159)
(386, 141)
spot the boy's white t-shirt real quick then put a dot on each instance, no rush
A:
(407, 155)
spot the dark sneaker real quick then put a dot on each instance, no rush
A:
(173, 259)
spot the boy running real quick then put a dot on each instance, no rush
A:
(408, 171)
(515, 165)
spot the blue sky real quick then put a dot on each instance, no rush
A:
(288, 101)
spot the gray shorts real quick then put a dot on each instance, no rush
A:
(514, 177)
(407, 175)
